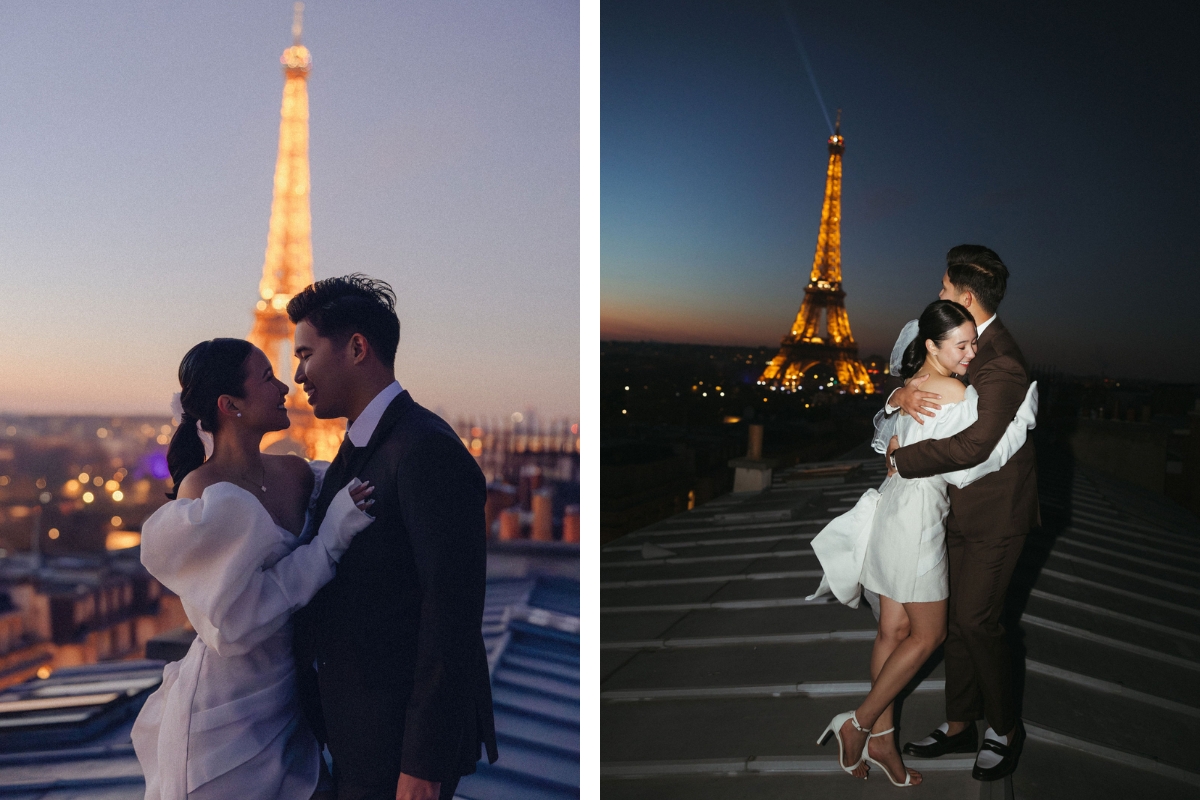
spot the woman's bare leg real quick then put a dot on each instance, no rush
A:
(894, 628)
(927, 630)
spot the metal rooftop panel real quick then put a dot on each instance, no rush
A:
(717, 675)
(67, 736)
(535, 692)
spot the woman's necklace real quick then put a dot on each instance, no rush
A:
(261, 484)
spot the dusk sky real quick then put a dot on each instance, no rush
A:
(137, 149)
(1063, 137)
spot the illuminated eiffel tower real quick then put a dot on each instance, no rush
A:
(806, 344)
(288, 265)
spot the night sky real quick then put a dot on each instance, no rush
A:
(1062, 136)
(137, 148)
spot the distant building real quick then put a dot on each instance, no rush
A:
(66, 735)
(532, 471)
(66, 611)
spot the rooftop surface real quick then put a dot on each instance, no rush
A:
(67, 737)
(717, 676)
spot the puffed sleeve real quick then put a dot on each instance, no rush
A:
(211, 552)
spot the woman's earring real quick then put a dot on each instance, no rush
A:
(239, 413)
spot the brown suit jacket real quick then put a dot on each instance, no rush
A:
(1004, 503)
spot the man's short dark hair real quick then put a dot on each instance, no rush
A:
(341, 307)
(975, 268)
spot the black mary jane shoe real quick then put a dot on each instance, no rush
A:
(1009, 753)
(965, 741)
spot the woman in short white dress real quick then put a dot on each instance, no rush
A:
(892, 543)
(225, 722)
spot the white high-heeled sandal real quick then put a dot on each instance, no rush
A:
(835, 727)
(867, 757)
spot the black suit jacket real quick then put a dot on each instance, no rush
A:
(397, 634)
(1004, 503)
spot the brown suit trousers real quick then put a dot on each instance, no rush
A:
(985, 532)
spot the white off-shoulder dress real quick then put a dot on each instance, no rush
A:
(225, 722)
(893, 541)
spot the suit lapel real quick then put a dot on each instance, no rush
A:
(336, 480)
(391, 415)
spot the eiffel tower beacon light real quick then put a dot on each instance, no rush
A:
(807, 345)
(288, 265)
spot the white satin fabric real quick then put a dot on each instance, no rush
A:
(893, 542)
(225, 721)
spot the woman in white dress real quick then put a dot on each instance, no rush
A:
(892, 543)
(232, 544)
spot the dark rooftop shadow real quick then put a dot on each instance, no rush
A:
(1055, 474)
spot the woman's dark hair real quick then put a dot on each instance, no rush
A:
(937, 320)
(341, 307)
(209, 370)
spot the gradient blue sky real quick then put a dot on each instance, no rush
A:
(1062, 137)
(137, 149)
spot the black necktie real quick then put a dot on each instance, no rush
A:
(341, 461)
(335, 478)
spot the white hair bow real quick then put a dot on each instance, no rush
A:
(206, 438)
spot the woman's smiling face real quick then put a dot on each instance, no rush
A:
(262, 404)
(955, 353)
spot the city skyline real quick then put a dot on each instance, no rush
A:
(137, 162)
(1059, 137)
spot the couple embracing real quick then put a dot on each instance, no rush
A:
(335, 604)
(934, 549)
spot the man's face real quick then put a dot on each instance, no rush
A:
(950, 292)
(322, 371)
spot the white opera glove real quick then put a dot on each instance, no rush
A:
(342, 522)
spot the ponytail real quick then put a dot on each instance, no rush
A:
(209, 370)
(913, 358)
(185, 453)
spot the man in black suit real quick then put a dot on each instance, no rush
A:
(401, 692)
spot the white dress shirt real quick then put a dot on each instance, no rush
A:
(891, 409)
(361, 430)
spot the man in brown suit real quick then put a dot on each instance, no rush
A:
(986, 526)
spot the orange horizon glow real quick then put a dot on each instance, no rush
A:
(679, 329)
